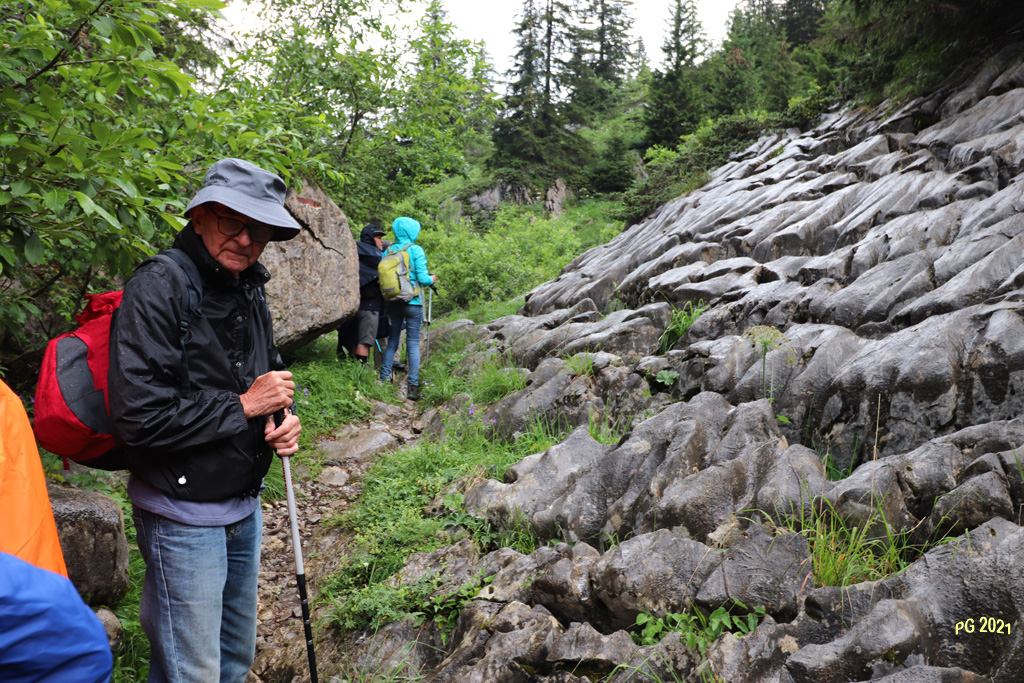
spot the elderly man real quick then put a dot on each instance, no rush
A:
(194, 415)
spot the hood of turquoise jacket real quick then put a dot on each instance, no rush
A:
(406, 230)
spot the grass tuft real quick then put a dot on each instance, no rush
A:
(582, 364)
(682, 319)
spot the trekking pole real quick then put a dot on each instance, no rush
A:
(300, 572)
(430, 313)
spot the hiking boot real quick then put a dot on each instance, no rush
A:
(398, 366)
(413, 392)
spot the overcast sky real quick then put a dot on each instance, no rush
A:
(492, 21)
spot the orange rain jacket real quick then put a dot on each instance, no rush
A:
(27, 529)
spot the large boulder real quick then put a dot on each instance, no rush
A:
(91, 530)
(315, 283)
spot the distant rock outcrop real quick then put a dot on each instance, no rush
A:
(860, 358)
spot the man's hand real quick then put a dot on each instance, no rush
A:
(268, 394)
(283, 439)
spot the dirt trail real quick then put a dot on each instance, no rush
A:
(280, 646)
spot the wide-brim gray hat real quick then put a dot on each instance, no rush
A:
(251, 191)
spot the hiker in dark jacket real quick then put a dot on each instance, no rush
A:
(198, 454)
(357, 336)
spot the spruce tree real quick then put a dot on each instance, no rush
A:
(586, 93)
(612, 24)
(755, 70)
(800, 18)
(556, 19)
(674, 104)
(639, 60)
(532, 144)
(513, 135)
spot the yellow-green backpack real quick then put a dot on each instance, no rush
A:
(395, 280)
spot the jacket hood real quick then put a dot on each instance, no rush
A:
(406, 230)
(366, 236)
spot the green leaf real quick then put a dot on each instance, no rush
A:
(8, 140)
(101, 132)
(126, 186)
(55, 200)
(113, 85)
(34, 250)
(5, 198)
(88, 206)
(20, 187)
(146, 228)
(108, 217)
(176, 222)
(104, 25)
(208, 4)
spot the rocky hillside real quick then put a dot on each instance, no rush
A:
(859, 361)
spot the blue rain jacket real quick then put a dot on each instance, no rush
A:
(47, 634)
(406, 231)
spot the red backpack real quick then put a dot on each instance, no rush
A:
(72, 409)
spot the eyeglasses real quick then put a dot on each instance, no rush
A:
(230, 227)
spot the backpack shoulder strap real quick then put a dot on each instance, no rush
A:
(193, 304)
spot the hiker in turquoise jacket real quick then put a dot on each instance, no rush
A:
(411, 314)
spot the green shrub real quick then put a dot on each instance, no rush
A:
(672, 173)
(697, 630)
(517, 250)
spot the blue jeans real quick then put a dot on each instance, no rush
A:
(412, 317)
(199, 597)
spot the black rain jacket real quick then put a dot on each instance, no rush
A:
(370, 298)
(199, 445)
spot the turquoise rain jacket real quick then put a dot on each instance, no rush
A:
(406, 231)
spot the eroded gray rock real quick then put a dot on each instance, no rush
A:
(659, 572)
(886, 260)
(759, 569)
